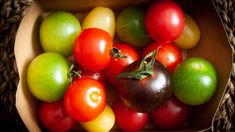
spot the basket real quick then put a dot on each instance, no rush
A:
(12, 11)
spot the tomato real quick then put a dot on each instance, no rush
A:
(100, 17)
(194, 81)
(169, 55)
(92, 49)
(117, 65)
(54, 118)
(85, 99)
(164, 21)
(191, 34)
(99, 76)
(130, 27)
(173, 114)
(58, 33)
(128, 119)
(47, 76)
(102, 123)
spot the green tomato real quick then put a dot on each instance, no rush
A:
(58, 33)
(102, 123)
(47, 76)
(130, 27)
(194, 81)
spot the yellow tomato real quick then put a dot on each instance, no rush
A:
(103, 123)
(191, 34)
(100, 17)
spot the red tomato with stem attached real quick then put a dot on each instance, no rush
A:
(92, 49)
(128, 119)
(172, 114)
(164, 21)
(169, 55)
(117, 65)
(54, 118)
(85, 99)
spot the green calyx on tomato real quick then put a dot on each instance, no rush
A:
(130, 27)
(194, 81)
(47, 76)
(58, 33)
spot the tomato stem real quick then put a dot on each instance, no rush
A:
(116, 53)
(145, 69)
(73, 73)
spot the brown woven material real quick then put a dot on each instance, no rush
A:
(225, 118)
(11, 13)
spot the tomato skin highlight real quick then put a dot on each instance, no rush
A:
(173, 114)
(164, 21)
(92, 49)
(127, 118)
(169, 55)
(116, 66)
(54, 118)
(85, 99)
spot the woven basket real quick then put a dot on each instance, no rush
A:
(11, 13)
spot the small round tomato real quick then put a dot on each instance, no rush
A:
(173, 114)
(58, 32)
(99, 76)
(85, 99)
(194, 81)
(169, 55)
(54, 118)
(47, 76)
(102, 123)
(128, 119)
(164, 21)
(92, 49)
(130, 27)
(117, 65)
(100, 17)
(191, 34)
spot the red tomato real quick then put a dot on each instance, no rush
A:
(99, 76)
(171, 115)
(92, 49)
(54, 118)
(169, 55)
(128, 119)
(85, 99)
(164, 21)
(116, 66)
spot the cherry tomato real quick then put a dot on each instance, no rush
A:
(173, 114)
(116, 66)
(54, 118)
(169, 55)
(92, 49)
(85, 99)
(130, 27)
(102, 123)
(191, 34)
(164, 21)
(47, 76)
(194, 81)
(128, 119)
(99, 76)
(100, 17)
(58, 32)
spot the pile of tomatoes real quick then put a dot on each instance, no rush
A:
(142, 62)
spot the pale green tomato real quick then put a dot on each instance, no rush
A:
(58, 33)
(47, 76)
